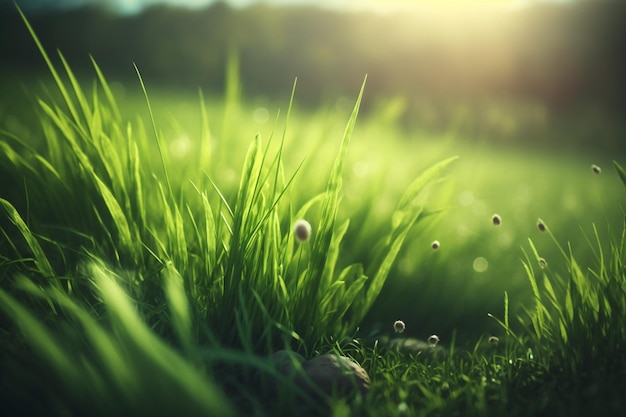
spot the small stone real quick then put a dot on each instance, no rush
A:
(334, 373)
(408, 345)
(411, 345)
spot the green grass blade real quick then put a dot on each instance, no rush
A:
(38, 337)
(80, 96)
(112, 102)
(620, 171)
(332, 255)
(157, 136)
(179, 306)
(60, 84)
(408, 216)
(206, 148)
(154, 353)
(352, 274)
(39, 256)
(330, 206)
(419, 184)
(125, 237)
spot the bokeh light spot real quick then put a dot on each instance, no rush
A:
(361, 169)
(466, 198)
(180, 147)
(480, 264)
(261, 115)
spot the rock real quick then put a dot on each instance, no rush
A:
(411, 345)
(334, 373)
(329, 373)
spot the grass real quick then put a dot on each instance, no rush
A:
(140, 274)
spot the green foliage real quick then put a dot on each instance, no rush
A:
(229, 254)
(92, 368)
(576, 328)
(582, 308)
(201, 267)
(130, 286)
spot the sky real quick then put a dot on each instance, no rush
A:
(135, 6)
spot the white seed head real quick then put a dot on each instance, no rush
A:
(496, 219)
(302, 230)
(398, 326)
(541, 225)
(542, 263)
(494, 340)
(433, 339)
(596, 169)
(435, 245)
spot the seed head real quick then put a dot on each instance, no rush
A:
(596, 169)
(398, 326)
(541, 225)
(435, 245)
(494, 340)
(496, 219)
(302, 230)
(542, 263)
(433, 340)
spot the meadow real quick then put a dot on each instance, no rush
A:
(148, 263)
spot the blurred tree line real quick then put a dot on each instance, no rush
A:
(568, 58)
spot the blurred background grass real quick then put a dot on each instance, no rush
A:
(516, 72)
(528, 97)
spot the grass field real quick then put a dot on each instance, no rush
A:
(148, 264)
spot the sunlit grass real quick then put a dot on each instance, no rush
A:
(148, 267)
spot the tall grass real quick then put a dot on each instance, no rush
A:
(129, 284)
(575, 333)
(84, 367)
(583, 307)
